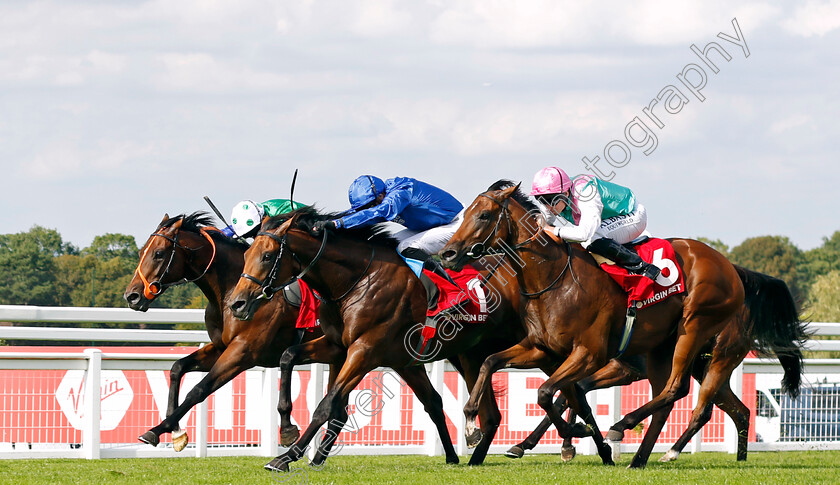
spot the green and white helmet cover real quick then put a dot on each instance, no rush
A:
(246, 215)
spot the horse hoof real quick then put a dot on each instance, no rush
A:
(474, 438)
(180, 440)
(567, 454)
(515, 451)
(149, 438)
(277, 465)
(616, 450)
(670, 455)
(452, 460)
(289, 435)
(615, 435)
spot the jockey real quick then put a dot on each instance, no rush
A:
(430, 215)
(247, 215)
(601, 216)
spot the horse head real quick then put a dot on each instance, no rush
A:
(264, 273)
(169, 258)
(490, 222)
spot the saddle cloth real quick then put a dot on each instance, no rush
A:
(641, 291)
(308, 316)
(466, 302)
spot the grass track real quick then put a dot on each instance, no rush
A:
(705, 468)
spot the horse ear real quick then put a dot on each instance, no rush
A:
(165, 217)
(507, 192)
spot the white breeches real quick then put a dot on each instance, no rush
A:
(622, 229)
(431, 240)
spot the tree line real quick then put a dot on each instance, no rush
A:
(39, 268)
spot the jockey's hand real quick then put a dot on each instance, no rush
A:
(320, 226)
(549, 228)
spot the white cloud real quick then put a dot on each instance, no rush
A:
(566, 24)
(814, 18)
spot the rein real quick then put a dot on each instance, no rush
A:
(266, 286)
(505, 212)
(152, 289)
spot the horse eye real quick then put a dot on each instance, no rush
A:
(484, 216)
(158, 254)
(266, 257)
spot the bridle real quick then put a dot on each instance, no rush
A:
(267, 287)
(151, 289)
(479, 249)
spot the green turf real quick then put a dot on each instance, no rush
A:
(705, 468)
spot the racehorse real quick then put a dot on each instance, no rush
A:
(575, 313)
(751, 333)
(373, 304)
(187, 249)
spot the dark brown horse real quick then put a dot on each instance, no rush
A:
(574, 314)
(373, 304)
(187, 249)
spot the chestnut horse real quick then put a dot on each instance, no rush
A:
(768, 324)
(187, 249)
(574, 314)
(373, 304)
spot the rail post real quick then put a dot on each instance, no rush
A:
(93, 404)
(269, 433)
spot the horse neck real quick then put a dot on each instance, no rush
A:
(538, 260)
(338, 268)
(224, 271)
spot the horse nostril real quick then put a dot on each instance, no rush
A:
(448, 255)
(132, 297)
(237, 305)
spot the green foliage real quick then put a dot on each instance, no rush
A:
(27, 263)
(824, 298)
(717, 245)
(775, 256)
(822, 260)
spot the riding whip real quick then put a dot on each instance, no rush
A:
(218, 214)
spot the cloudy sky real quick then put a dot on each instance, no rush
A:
(113, 113)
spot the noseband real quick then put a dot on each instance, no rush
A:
(151, 289)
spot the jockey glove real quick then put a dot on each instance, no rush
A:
(320, 226)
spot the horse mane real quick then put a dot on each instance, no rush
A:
(517, 195)
(309, 215)
(197, 221)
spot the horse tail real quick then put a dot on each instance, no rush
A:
(774, 324)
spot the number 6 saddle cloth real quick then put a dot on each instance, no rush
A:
(641, 291)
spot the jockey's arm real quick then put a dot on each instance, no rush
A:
(590, 220)
(397, 199)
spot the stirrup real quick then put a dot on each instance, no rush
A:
(650, 271)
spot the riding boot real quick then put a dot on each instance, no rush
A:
(624, 257)
(430, 262)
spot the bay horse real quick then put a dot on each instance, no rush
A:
(185, 249)
(574, 314)
(372, 304)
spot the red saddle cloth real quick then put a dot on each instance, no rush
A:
(641, 291)
(308, 316)
(469, 296)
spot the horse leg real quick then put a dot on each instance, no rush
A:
(233, 360)
(578, 365)
(352, 372)
(334, 427)
(419, 382)
(576, 397)
(658, 372)
(715, 386)
(521, 355)
(488, 411)
(318, 350)
(693, 333)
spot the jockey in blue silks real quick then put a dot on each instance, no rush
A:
(430, 215)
